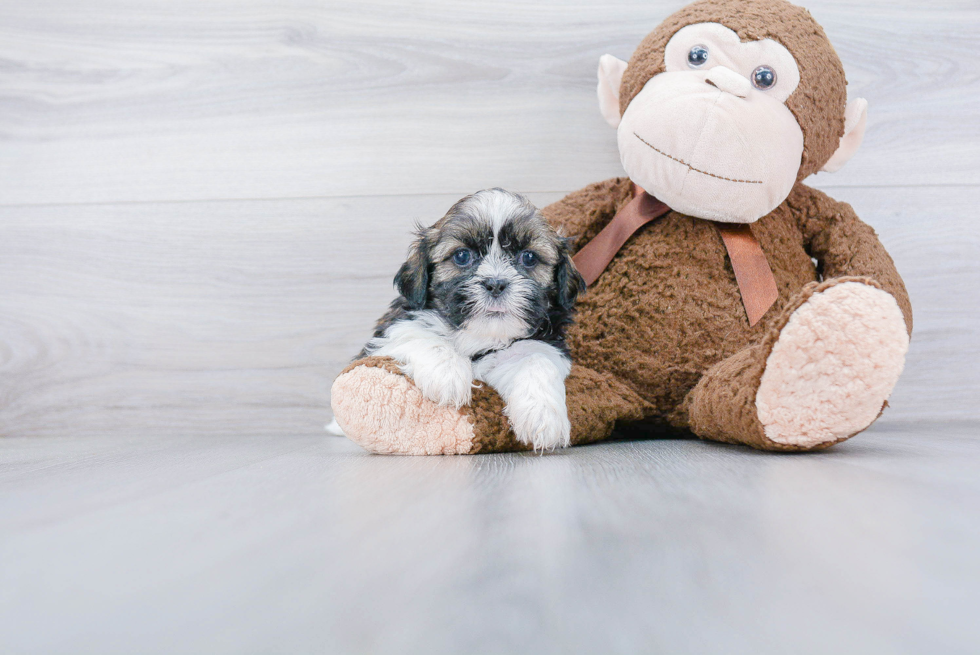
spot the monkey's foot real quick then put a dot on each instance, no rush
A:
(833, 366)
(382, 410)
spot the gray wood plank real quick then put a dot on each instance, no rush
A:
(178, 100)
(302, 544)
(234, 317)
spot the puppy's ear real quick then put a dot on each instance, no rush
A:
(568, 281)
(412, 279)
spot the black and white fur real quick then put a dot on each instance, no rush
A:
(486, 294)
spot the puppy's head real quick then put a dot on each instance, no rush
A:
(492, 262)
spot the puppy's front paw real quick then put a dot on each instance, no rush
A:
(446, 380)
(536, 406)
(539, 421)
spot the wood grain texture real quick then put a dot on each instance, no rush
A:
(202, 205)
(234, 317)
(178, 99)
(304, 544)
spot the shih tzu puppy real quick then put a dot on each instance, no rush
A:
(486, 295)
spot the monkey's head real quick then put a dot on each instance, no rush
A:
(729, 103)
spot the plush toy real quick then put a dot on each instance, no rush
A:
(705, 312)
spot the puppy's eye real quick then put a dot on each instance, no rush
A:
(528, 259)
(697, 57)
(764, 78)
(462, 257)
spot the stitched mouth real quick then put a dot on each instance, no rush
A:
(696, 170)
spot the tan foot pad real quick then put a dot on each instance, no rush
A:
(833, 367)
(384, 412)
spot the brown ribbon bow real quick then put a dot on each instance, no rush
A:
(752, 272)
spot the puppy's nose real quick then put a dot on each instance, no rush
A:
(495, 286)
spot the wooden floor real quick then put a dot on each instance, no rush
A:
(202, 204)
(304, 544)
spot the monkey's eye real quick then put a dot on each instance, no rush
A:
(764, 78)
(462, 257)
(528, 259)
(697, 57)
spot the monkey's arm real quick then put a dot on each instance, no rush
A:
(581, 214)
(844, 245)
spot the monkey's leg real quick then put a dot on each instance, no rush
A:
(382, 410)
(821, 375)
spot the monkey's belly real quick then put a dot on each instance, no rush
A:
(668, 307)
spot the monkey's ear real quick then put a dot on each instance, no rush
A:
(610, 78)
(412, 279)
(855, 123)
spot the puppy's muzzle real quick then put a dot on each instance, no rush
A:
(495, 286)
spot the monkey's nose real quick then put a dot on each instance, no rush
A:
(495, 286)
(728, 81)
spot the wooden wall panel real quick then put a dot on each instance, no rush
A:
(178, 99)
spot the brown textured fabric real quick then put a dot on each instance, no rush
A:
(595, 402)
(668, 308)
(818, 102)
(385, 363)
(490, 427)
(755, 280)
(593, 258)
(722, 405)
(585, 212)
(845, 245)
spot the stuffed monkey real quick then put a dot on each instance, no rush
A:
(712, 318)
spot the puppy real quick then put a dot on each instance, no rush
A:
(487, 294)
